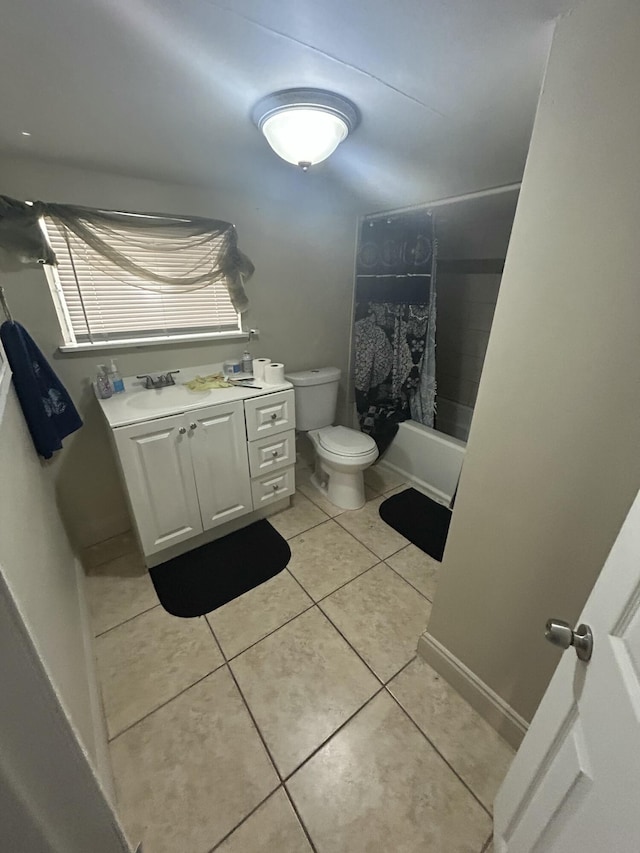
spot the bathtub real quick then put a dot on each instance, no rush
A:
(429, 460)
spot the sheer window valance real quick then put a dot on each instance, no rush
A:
(155, 252)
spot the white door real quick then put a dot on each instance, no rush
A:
(574, 786)
(156, 464)
(220, 462)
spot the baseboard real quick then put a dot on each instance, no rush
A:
(101, 747)
(498, 713)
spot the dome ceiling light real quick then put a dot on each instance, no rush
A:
(305, 126)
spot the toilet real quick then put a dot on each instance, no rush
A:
(341, 454)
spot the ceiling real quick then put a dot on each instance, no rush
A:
(164, 88)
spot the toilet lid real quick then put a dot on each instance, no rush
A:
(345, 441)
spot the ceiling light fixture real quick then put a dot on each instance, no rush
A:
(305, 126)
(25, 133)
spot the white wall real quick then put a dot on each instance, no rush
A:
(38, 566)
(553, 460)
(50, 798)
(51, 738)
(302, 243)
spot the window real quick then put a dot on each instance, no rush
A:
(98, 304)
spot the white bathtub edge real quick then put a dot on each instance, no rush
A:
(419, 485)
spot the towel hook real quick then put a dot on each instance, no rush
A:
(5, 305)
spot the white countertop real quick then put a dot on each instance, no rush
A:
(138, 404)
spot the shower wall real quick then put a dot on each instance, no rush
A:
(471, 252)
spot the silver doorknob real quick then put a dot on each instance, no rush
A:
(561, 634)
(182, 430)
(193, 425)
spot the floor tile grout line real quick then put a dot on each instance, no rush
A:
(314, 603)
(166, 702)
(324, 743)
(348, 642)
(346, 583)
(407, 581)
(249, 711)
(402, 669)
(299, 816)
(486, 844)
(93, 566)
(128, 619)
(435, 748)
(393, 553)
(353, 648)
(246, 818)
(275, 630)
(309, 498)
(306, 530)
(264, 743)
(334, 518)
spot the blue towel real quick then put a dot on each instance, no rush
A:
(46, 404)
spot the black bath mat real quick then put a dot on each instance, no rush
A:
(201, 580)
(419, 519)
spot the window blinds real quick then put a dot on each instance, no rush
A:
(103, 303)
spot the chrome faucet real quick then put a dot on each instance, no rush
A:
(163, 380)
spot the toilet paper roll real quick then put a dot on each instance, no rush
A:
(274, 373)
(259, 365)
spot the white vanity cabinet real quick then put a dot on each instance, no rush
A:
(190, 473)
(220, 463)
(155, 459)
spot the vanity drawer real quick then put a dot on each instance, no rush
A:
(272, 453)
(280, 484)
(270, 414)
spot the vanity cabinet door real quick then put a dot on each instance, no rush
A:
(156, 464)
(220, 463)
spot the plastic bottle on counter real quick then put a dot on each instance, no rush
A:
(247, 362)
(116, 380)
(103, 385)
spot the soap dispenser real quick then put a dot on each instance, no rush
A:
(103, 385)
(117, 382)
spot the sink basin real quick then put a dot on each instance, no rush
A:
(162, 397)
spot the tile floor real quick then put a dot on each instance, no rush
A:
(297, 718)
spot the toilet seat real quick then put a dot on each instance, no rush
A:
(345, 442)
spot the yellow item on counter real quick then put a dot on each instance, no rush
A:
(206, 383)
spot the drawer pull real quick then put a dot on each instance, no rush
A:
(274, 416)
(182, 430)
(275, 453)
(193, 425)
(275, 487)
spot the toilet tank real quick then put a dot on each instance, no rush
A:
(316, 396)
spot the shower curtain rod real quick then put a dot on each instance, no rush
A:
(439, 202)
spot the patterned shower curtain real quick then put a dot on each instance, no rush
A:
(395, 324)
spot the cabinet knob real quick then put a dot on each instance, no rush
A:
(275, 487)
(274, 416)
(182, 430)
(193, 425)
(274, 453)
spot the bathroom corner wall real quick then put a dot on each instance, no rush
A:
(552, 463)
(299, 232)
